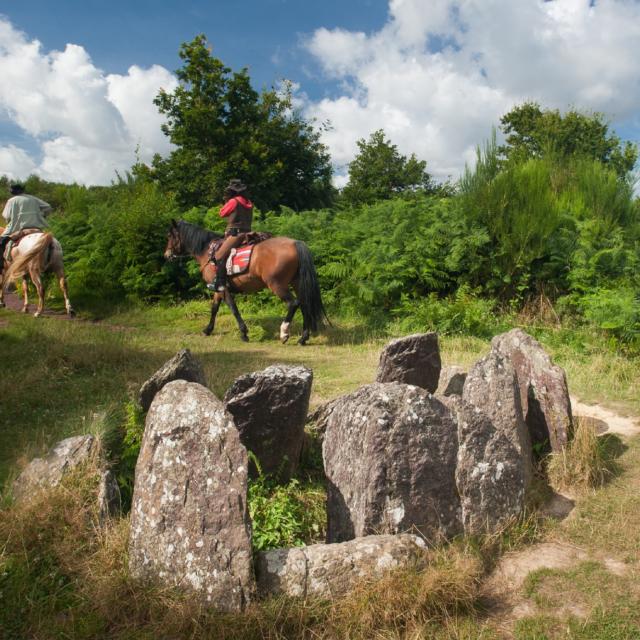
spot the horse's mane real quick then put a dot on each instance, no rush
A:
(195, 239)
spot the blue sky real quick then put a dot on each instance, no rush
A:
(436, 75)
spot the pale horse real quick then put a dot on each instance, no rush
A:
(35, 254)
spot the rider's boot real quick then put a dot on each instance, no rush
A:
(220, 283)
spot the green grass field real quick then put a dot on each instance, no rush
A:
(61, 376)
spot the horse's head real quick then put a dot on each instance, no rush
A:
(174, 246)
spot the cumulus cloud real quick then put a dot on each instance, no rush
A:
(438, 75)
(88, 124)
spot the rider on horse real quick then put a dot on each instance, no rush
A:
(21, 212)
(238, 210)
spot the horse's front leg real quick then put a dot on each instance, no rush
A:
(231, 303)
(65, 292)
(215, 305)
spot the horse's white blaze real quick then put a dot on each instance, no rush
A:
(284, 330)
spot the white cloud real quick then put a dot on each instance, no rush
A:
(438, 75)
(88, 124)
(15, 163)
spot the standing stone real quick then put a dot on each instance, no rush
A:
(543, 390)
(489, 471)
(65, 456)
(269, 409)
(492, 387)
(390, 454)
(109, 498)
(333, 570)
(413, 360)
(451, 381)
(183, 366)
(189, 521)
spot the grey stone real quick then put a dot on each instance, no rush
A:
(489, 471)
(332, 570)
(492, 388)
(390, 454)
(544, 394)
(183, 366)
(190, 525)
(109, 499)
(451, 381)
(269, 409)
(412, 360)
(47, 472)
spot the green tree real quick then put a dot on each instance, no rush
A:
(379, 172)
(534, 132)
(222, 128)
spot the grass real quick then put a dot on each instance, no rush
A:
(68, 578)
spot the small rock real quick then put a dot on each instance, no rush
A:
(47, 472)
(109, 499)
(183, 366)
(412, 360)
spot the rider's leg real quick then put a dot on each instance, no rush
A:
(3, 244)
(221, 257)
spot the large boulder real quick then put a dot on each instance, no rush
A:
(544, 394)
(190, 525)
(269, 409)
(65, 456)
(451, 381)
(183, 366)
(390, 454)
(332, 570)
(492, 388)
(413, 360)
(490, 474)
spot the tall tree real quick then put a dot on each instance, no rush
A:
(222, 128)
(378, 172)
(533, 132)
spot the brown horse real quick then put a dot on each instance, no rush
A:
(279, 263)
(34, 255)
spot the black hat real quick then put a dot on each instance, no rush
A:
(236, 186)
(16, 187)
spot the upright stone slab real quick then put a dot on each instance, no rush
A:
(65, 456)
(190, 525)
(543, 389)
(492, 387)
(412, 360)
(333, 570)
(269, 409)
(490, 474)
(183, 366)
(389, 455)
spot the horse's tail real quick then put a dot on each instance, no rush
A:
(309, 289)
(21, 265)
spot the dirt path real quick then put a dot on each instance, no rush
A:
(605, 420)
(13, 302)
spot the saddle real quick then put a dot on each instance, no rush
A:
(239, 258)
(14, 241)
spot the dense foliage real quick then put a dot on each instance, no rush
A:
(379, 172)
(222, 128)
(560, 227)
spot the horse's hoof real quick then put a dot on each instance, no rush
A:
(244, 337)
(302, 342)
(36, 314)
(285, 339)
(71, 313)
(206, 332)
(24, 310)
